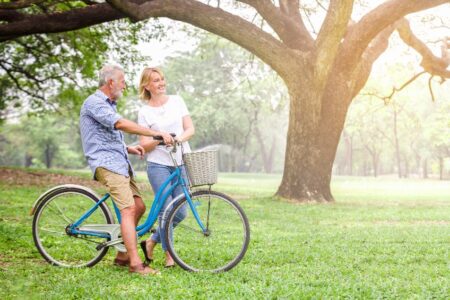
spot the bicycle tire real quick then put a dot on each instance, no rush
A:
(220, 250)
(58, 210)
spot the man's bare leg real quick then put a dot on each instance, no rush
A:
(140, 208)
(128, 228)
(139, 212)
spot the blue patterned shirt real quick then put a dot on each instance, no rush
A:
(103, 144)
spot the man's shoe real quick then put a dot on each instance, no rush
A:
(121, 262)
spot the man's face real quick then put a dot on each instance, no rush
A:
(117, 85)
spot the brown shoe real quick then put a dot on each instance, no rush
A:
(121, 262)
(143, 269)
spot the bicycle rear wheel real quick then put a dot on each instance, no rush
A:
(54, 214)
(223, 245)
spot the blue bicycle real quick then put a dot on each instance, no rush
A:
(74, 227)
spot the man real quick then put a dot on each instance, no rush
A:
(107, 155)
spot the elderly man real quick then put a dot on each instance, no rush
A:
(107, 155)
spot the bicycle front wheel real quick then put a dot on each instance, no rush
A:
(225, 241)
(53, 216)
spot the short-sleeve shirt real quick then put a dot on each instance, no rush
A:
(103, 144)
(168, 118)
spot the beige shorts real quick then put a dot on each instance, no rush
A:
(121, 188)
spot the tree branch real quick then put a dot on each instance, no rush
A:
(220, 22)
(59, 22)
(432, 64)
(130, 9)
(330, 35)
(288, 26)
(362, 33)
(10, 15)
(364, 68)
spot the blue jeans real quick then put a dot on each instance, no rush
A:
(157, 174)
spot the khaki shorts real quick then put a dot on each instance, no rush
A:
(121, 188)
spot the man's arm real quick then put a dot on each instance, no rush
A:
(132, 127)
(147, 143)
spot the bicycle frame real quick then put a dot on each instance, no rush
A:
(105, 231)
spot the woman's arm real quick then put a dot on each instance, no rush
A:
(188, 128)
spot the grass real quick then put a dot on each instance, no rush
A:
(381, 239)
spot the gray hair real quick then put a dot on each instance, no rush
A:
(108, 72)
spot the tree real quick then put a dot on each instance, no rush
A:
(322, 73)
(41, 141)
(60, 64)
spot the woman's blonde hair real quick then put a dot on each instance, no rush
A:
(144, 94)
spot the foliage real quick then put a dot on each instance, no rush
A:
(376, 241)
(42, 141)
(60, 66)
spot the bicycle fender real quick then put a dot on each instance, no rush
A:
(46, 193)
(169, 207)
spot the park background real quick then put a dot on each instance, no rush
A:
(386, 234)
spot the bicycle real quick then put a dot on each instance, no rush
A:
(74, 227)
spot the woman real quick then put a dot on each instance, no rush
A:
(165, 113)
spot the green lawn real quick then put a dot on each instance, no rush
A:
(383, 238)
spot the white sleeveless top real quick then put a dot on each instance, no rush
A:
(167, 118)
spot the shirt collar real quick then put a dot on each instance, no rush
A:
(102, 96)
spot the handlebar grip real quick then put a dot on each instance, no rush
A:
(160, 138)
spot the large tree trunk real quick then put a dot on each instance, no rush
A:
(316, 121)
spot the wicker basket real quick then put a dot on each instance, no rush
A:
(201, 167)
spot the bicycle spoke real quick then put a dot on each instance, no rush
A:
(190, 228)
(59, 215)
(207, 214)
(62, 213)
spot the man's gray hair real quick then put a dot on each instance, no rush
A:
(108, 72)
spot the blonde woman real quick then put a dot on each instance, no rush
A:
(166, 113)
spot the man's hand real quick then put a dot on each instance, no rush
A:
(136, 150)
(168, 139)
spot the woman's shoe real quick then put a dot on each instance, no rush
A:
(148, 260)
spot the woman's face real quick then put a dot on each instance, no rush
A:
(156, 85)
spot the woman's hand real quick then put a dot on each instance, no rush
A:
(136, 150)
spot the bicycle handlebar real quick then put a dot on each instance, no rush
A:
(160, 138)
(174, 146)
